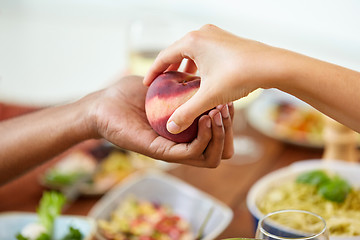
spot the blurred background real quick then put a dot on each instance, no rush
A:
(56, 51)
(53, 52)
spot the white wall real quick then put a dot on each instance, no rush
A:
(53, 51)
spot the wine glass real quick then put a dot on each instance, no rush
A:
(147, 36)
(292, 225)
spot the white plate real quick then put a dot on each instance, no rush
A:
(259, 117)
(11, 223)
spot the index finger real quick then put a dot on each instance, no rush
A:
(174, 54)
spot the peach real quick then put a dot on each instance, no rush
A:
(165, 94)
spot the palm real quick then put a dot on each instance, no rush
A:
(122, 121)
(126, 124)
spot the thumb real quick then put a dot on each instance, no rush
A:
(185, 115)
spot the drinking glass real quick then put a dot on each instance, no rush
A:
(292, 225)
(148, 35)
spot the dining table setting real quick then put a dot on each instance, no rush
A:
(256, 155)
(294, 173)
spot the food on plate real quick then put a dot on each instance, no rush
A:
(112, 169)
(116, 166)
(165, 94)
(320, 192)
(49, 209)
(297, 122)
(137, 219)
(94, 171)
(70, 169)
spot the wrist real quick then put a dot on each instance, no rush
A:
(280, 70)
(291, 71)
(84, 118)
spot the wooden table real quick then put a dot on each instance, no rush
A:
(229, 182)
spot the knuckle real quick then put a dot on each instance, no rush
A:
(189, 155)
(208, 27)
(212, 164)
(184, 118)
(221, 135)
(229, 154)
(227, 123)
(161, 54)
(192, 37)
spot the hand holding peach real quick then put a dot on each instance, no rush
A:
(121, 119)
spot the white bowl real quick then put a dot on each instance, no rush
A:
(11, 223)
(348, 171)
(185, 200)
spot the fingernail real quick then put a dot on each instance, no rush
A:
(225, 112)
(208, 123)
(173, 127)
(230, 104)
(218, 120)
(219, 107)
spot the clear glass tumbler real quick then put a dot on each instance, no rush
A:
(292, 224)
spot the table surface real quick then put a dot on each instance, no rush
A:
(229, 182)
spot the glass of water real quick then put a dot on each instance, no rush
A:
(293, 225)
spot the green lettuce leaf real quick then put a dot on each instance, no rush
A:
(73, 234)
(49, 208)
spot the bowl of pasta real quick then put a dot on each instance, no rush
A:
(328, 188)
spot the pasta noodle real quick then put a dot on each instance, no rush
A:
(342, 219)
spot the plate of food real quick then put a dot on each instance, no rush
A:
(328, 188)
(155, 205)
(47, 223)
(286, 118)
(96, 171)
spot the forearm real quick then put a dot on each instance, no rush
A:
(29, 140)
(332, 89)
